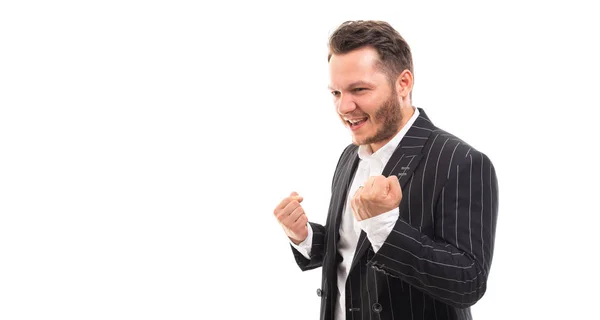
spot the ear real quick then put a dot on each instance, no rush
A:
(404, 84)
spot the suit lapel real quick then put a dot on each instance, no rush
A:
(340, 191)
(346, 178)
(402, 163)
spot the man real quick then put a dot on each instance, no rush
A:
(411, 223)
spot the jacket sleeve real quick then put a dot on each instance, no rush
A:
(453, 265)
(316, 251)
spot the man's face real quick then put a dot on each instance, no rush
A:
(364, 98)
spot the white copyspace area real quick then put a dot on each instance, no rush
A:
(144, 146)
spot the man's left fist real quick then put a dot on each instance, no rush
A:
(378, 195)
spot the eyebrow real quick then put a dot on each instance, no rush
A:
(359, 83)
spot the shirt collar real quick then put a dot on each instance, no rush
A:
(385, 152)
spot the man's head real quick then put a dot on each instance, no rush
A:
(371, 74)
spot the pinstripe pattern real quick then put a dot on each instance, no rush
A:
(435, 262)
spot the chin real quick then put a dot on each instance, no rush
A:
(359, 140)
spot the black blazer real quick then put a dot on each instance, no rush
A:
(435, 262)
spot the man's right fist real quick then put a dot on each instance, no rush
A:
(291, 217)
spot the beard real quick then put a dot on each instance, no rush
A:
(389, 118)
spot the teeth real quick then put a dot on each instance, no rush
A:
(355, 121)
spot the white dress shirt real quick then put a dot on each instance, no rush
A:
(377, 228)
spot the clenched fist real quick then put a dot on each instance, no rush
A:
(291, 217)
(378, 195)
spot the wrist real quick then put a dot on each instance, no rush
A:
(296, 241)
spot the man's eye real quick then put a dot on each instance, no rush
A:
(359, 89)
(335, 93)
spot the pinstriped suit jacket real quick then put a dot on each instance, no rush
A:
(435, 262)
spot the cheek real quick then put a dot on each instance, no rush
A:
(368, 106)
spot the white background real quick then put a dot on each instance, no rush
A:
(145, 144)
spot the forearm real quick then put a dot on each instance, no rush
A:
(438, 268)
(315, 250)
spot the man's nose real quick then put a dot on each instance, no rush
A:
(345, 104)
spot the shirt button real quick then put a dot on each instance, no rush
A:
(319, 292)
(377, 307)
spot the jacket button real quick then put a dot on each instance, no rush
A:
(319, 292)
(377, 307)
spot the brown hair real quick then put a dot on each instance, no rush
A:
(394, 52)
